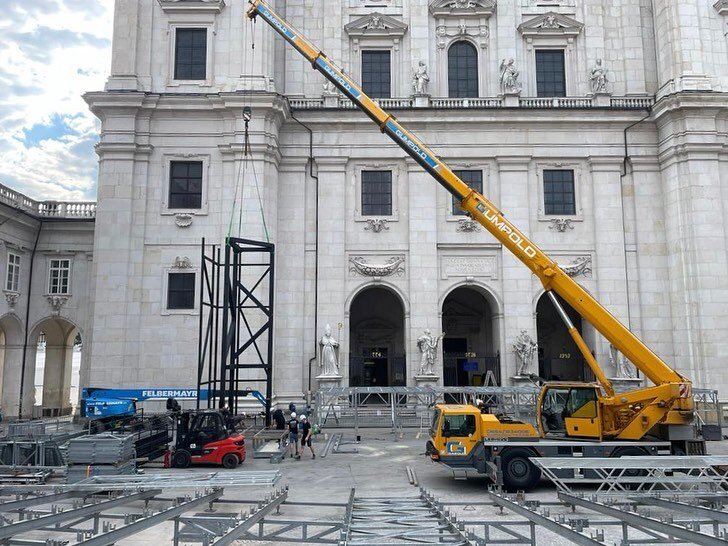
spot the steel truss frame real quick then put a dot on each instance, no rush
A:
(236, 322)
(639, 475)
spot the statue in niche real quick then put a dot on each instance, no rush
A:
(329, 360)
(421, 79)
(509, 77)
(598, 78)
(427, 344)
(525, 348)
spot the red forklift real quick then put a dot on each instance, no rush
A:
(206, 437)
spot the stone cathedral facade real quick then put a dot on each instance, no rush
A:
(598, 127)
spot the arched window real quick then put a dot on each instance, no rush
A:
(462, 70)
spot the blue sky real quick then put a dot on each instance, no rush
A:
(52, 52)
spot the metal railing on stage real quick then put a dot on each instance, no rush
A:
(412, 407)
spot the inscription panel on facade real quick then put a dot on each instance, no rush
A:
(469, 266)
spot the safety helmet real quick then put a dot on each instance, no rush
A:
(293, 414)
(478, 401)
(303, 417)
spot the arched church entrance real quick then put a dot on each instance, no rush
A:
(11, 358)
(469, 349)
(559, 359)
(56, 373)
(377, 348)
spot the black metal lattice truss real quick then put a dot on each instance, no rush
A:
(235, 354)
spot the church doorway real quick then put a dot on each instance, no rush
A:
(559, 359)
(469, 353)
(377, 349)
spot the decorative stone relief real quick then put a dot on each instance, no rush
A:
(12, 299)
(57, 302)
(467, 225)
(461, 18)
(183, 220)
(376, 224)
(376, 24)
(550, 24)
(561, 224)
(469, 266)
(182, 262)
(393, 266)
(580, 266)
(197, 6)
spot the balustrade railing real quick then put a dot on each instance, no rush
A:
(47, 209)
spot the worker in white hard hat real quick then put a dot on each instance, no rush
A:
(293, 435)
(306, 437)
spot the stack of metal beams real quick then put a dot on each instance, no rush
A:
(101, 455)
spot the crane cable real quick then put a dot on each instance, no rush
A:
(247, 157)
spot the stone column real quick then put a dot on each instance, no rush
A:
(610, 266)
(518, 288)
(333, 266)
(423, 267)
(124, 54)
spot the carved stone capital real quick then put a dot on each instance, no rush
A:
(57, 302)
(12, 299)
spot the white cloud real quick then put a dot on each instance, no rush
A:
(53, 51)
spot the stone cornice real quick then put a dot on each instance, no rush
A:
(677, 101)
(721, 6)
(195, 6)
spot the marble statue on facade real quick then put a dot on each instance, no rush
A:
(329, 363)
(427, 344)
(598, 78)
(509, 77)
(420, 80)
(525, 348)
(622, 366)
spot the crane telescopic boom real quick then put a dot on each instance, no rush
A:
(487, 214)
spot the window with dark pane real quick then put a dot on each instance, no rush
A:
(181, 291)
(462, 70)
(376, 193)
(190, 54)
(558, 192)
(13, 277)
(550, 75)
(376, 73)
(185, 185)
(474, 179)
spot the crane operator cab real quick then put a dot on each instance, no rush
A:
(569, 410)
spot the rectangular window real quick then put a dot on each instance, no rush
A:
(550, 75)
(58, 276)
(376, 193)
(181, 291)
(13, 277)
(376, 73)
(185, 185)
(474, 179)
(190, 54)
(558, 192)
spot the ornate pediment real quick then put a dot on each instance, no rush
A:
(214, 6)
(551, 24)
(721, 6)
(479, 8)
(376, 24)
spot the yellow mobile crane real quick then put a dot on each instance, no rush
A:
(587, 419)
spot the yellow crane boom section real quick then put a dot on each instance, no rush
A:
(481, 209)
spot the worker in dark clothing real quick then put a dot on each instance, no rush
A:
(293, 435)
(278, 418)
(307, 434)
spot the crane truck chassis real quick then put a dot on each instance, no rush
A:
(571, 418)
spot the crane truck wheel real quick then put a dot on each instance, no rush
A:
(230, 461)
(181, 459)
(519, 473)
(631, 452)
